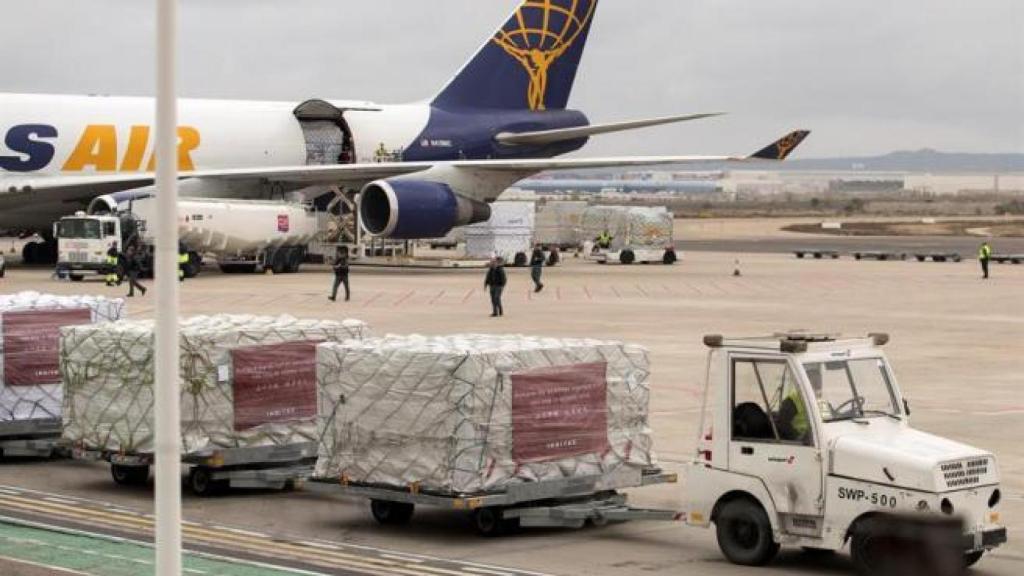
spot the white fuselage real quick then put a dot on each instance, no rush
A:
(108, 135)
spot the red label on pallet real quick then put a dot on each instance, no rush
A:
(559, 412)
(32, 344)
(274, 383)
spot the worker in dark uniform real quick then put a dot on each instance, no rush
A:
(985, 257)
(340, 274)
(537, 267)
(495, 281)
(132, 267)
(112, 276)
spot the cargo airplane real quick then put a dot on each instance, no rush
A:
(421, 169)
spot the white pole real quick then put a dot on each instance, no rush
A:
(167, 403)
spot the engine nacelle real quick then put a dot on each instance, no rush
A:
(113, 203)
(414, 209)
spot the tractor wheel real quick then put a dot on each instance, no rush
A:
(745, 533)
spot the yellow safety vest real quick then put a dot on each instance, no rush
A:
(801, 425)
(985, 253)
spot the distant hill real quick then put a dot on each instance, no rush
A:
(925, 160)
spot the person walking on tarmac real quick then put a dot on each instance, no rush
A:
(340, 274)
(112, 276)
(133, 265)
(495, 281)
(537, 267)
(985, 257)
(182, 261)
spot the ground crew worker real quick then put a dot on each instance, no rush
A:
(984, 256)
(496, 280)
(604, 240)
(182, 261)
(112, 276)
(341, 269)
(537, 267)
(132, 267)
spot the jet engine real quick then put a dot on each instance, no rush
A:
(113, 203)
(414, 209)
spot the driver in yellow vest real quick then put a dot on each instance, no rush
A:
(796, 409)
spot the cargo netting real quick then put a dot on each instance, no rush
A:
(475, 413)
(30, 323)
(246, 381)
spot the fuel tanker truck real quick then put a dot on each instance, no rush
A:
(243, 236)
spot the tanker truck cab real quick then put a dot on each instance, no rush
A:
(83, 241)
(806, 441)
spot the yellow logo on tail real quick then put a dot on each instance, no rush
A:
(537, 48)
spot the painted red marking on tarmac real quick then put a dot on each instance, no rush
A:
(468, 295)
(558, 293)
(372, 299)
(404, 298)
(642, 291)
(617, 295)
(438, 297)
(587, 292)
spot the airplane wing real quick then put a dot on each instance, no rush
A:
(560, 135)
(64, 194)
(775, 152)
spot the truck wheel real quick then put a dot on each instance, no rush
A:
(627, 257)
(295, 257)
(201, 481)
(391, 513)
(972, 558)
(745, 533)
(129, 475)
(277, 262)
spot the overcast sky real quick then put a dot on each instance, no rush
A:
(868, 77)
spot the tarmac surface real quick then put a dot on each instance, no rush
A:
(956, 347)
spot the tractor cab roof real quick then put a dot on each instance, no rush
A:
(795, 342)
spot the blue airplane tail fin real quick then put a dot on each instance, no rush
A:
(530, 63)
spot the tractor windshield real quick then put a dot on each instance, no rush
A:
(848, 389)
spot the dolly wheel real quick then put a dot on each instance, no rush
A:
(491, 522)
(391, 513)
(129, 475)
(201, 481)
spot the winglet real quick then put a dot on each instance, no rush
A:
(782, 148)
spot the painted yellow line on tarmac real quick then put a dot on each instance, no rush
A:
(254, 543)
